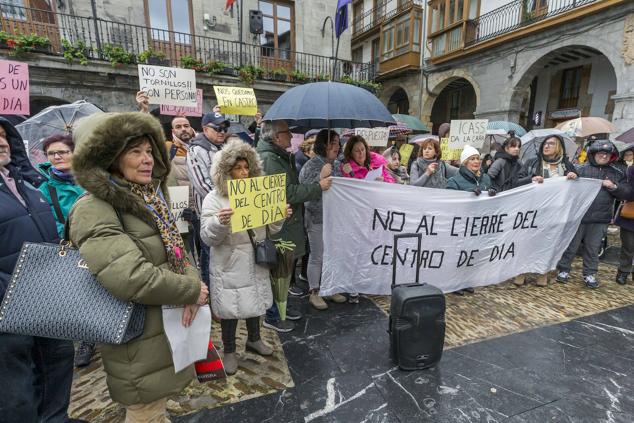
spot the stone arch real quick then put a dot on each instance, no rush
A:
(529, 65)
(438, 82)
(389, 94)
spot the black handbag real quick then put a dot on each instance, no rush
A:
(265, 251)
(53, 294)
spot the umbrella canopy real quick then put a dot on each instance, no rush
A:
(586, 126)
(399, 129)
(533, 139)
(627, 136)
(419, 139)
(507, 126)
(329, 105)
(621, 146)
(50, 121)
(412, 123)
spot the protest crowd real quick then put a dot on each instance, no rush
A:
(105, 190)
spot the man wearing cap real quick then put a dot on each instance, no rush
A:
(199, 158)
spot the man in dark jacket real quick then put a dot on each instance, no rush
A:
(602, 156)
(275, 139)
(36, 372)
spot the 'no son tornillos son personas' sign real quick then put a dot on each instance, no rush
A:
(468, 132)
(453, 240)
(257, 201)
(173, 86)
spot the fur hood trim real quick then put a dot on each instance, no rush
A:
(99, 140)
(226, 158)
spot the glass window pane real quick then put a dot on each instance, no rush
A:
(180, 21)
(406, 33)
(12, 10)
(283, 12)
(452, 10)
(416, 31)
(399, 35)
(158, 19)
(267, 38)
(266, 8)
(284, 38)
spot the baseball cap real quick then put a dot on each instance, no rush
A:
(216, 119)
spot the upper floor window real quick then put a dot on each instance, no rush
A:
(170, 20)
(42, 10)
(278, 37)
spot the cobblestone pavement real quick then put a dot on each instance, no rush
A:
(489, 313)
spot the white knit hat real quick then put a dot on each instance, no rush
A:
(467, 152)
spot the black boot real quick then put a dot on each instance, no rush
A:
(621, 277)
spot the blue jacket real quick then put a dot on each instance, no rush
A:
(18, 224)
(67, 193)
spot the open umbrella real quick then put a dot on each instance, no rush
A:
(413, 123)
(50, 121)
(329, 105)
(419, 139)
(533, 139)
(507, 126)
(586, 126)
(627, 136)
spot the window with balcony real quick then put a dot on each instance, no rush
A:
(278, 38)
(357, 55)
(171, 20)
(376, 52)
(43, 10)
(357, 16)
(570, 84)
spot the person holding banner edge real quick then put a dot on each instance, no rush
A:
(326, 150)
(240, 288)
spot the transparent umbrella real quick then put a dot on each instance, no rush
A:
(50, 121)
(533, 139)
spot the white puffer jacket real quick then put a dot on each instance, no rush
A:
(239, 288)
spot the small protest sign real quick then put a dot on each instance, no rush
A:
(179, 201)
(14, 88)
(197, 111)
(375, 137)
(257, 201)
(468, 132)
(406, 153)
(173, 86)
(449, 153)
(236, 100)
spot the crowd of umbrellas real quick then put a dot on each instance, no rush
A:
(336, 105)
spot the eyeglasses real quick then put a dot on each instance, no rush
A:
(217, 128)
(60, 153)
(550, 144)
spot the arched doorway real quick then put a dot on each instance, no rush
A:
(563, 84)
(457, 100)
(39, 103)
(399, 102)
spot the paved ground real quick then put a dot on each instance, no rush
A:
(335, 366)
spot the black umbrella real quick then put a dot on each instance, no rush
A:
(329, 105)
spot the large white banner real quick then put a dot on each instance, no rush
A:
(465, 240)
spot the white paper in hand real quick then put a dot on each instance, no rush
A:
(188, 345)
(373, 174)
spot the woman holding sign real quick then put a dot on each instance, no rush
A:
(359, 161)
(240, 288)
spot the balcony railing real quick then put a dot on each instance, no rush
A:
(96, 34)
(384, 11)
(516, 14)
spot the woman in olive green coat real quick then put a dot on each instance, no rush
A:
(121, 161)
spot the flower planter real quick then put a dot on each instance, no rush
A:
(41, 49)
(158, 61)
(227, 71)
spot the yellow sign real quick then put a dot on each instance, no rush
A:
(449, 153)
(257, 201)
(406, 153)
(236, 100)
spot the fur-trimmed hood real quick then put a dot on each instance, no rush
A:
(99, 140)
(226, 158)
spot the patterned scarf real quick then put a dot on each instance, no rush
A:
(172, 241)
(64, 176)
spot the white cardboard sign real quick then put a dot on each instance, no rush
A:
(172, 86)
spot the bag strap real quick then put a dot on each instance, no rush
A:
(173, 151)
(56, 207)
(252, 237)
(67, 224)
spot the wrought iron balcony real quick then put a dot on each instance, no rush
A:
(98, 39)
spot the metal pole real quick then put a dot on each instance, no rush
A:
(332, 34)
(94, 16)
(240, 28)
(334, 64)
(423, 47)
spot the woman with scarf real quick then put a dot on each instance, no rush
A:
(129, 241)
(394, 168)
(319, 167)
(429, 170)
(470, 178)
(551, 162)
(240, 288)
(59, 189)
(504, 172)
(359, 160)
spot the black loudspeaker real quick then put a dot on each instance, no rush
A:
(255, 22)
(417, 321)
